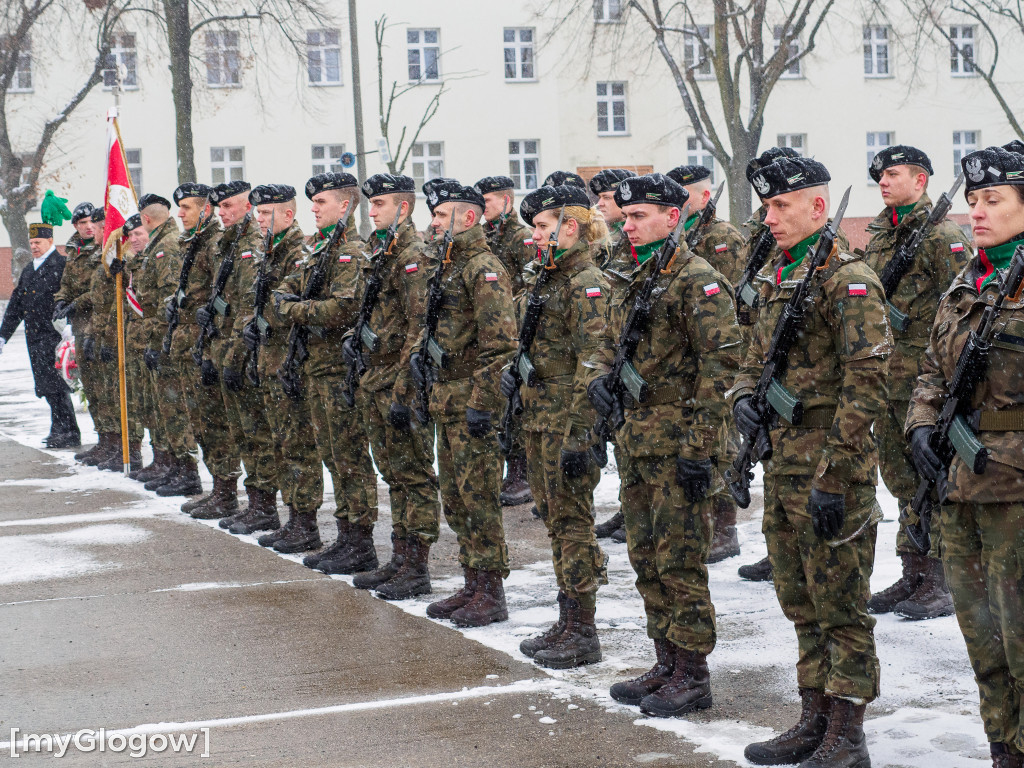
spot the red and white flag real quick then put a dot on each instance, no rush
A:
(119, 201)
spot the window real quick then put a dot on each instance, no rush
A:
(962, 53)
(611, 108)
(519, 54)
(876, 51)
(877, 141)
(795, 141)
(964, 142)
(134, 158)
(227, 164)
(608, 11)
(793, 70)
(424, 53)
(222, 59)
(122, 56)
(327, 158)
(427, 161)
(695, 41)
(524, 163)
(697, 154)
(22, 79)
(323, 57)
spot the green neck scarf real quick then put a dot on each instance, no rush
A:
(900, 211)
(690, 221)
(644, 252)
(326, 231)
(796, 255)
(616, 226)
(996, 257)
(278, 238)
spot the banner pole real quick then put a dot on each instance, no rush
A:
(119, 282)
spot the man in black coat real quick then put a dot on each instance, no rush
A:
(32, 301)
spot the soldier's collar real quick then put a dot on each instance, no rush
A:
(644, 252)
(796, 256)
(691, 220)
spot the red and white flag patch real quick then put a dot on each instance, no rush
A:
(344, 258)
(711, 289)
(409, 268)
(245, 254)
(528, 241)
(956, 247)
(857, 289)
(491, 277)
(593, 293)
(160, 255)
(720, 247)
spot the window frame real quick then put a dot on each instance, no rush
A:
(785, 140)
(693, 49)
(227, 164)
(222, 52)
(425, 159)
(788, 74)
(609, 100)
(698, 154)
(328, 163)
(963, 148)
(874, 149)
(24, 66)
(876, 44)
(602, 12)
(134, 168)
(956, 43)
(322, 48)
(118, 54)
(517, 46)
(421, 46)
(521, 156)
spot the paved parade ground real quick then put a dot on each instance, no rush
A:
(118, 612)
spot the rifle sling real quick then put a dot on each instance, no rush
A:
(817, 418)
(554, 368)
(660, 396)
(1005, 420)
(389, 358)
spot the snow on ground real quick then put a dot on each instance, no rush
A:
(927, 716)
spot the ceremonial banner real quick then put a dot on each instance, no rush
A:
(119, 201)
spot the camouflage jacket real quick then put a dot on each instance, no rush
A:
(621, 263)
(197, 292)
(287, 250)
(74, 283)
(239, 293)
(154, 279)
(837, 370)
(569, 339)
(217, 348)
(333, 311)
(687, 356)
(134, 325)
(102, 295)
(722, 247)
(476, 328)
(512, 243)
(1001, 390)
(942, 255)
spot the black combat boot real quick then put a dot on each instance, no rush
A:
(102, 445)
(303, 536)
(619, 535)
(1002, 757)
(487, 605)
(577, 645)
(687, 690)
(531, 645)
(759, 571)
(931, 599)
(157, 468)
(800, 741)
(269, 539)
(412, 578)
(169, 469)
(328, 553)
(115, 461)
(724, 543)
(376, 577)
(633, 691)
(261, 514)
(86, 452)
(888, 598)
(192, 505)
(223, 502)
(515, 490)
(609, 526)
(359, 556)
(108, 444)
(182, 482)
(844, 745)
(443, 609)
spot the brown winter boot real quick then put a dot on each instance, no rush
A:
(1002, 757)
(904, 587)
(156, 468)
(376, 577)
(115, 462)
(610, 526)
(302, 536)
(359, 556)
(800, 741)
(443, 609)
(759, 571)
(724, 544)
(531, 645)
(515, 490)
(83, 454)
(412, 578)
(487, 605)
(340, 543)
(844, 745)
(687, 690)
(577, 645)
(633, 691)
(172, 465)
(104, 449)
(223, 502)
(261, 514)
(183, 480)
(931, 599)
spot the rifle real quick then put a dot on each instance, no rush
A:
(903, 257)
(298, 336)
(522, 369)
(216, 304)
(362, 335)
(624, 377)
(431, 353)
(693, 237)
(771, 399)
(175, 300)
(745, 290)
(954, 432)
(262, 287)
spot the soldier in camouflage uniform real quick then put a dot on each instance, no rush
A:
(688, 352)
(902, 174)
(402, 449)
(820, 513)
(981, 527)
(475, 339)
(338, 429)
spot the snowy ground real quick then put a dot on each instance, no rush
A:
(927, 716)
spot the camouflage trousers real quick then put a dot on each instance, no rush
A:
(259, 449)
(983, 557)
(344, 447)
(823, 586)
(897, 468)
(406, 462)
(219, 437)
(669, 540)
(728, 450)
(135, 388)
(87, 374)
(150, 410)
(103, 398)
(172, 410)
(567, 508)
(470, 478)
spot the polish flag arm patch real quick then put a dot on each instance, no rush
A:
(711, 289)
(857, 289)
(528, 241)
(245, 254)
(160, 255)
(491, 277)
(720, 247)
(344, 258)
(410, 268)
(956, 247)
(593, 293)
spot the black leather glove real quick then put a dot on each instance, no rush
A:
(88, 349)
(170, 312)
(419, 369)
(63, 309)
(251, 336)
(926, 462)
(284, 298)
(208, 374)
(478, 423)
(233, 380)
(507, 385)
(151, 357)
(828, 513)
(116, 267)
(108, 354)
(348, 351)
(600, 394)
(204, 317)
(574, 463)
(400, 417)
(694, 477)
(748, 420)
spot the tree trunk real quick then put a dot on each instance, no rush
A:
(357, 112)
(13, 216)
(179, 43)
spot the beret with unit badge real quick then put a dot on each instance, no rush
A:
(494, 184)
(432, 188)
(387, 184)
(229, 189)
(788, 174)
(655, 188)
(268, 194)
(40, 231)
(547, 198)
(608, 179)
(1015, 146)
(149, 199)
(689, 174)
(99, 213)
(82, 211)
(564, 178)
(992, 167)
(132, 223)
(770, 155)
(191, 189)
(325, 181)
(901, 154)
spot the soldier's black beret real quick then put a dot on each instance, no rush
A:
(150, 199)
(229, 189)
(268, 194)
(431, 187)
(99, 213)
(82, 211)
(788, 174)
(689, 174)
(655, 188)
(564, 178)
(494, 184)
(992, 167)
(191, 189)
(901, 154)
(608, 179)
(444, 190)
(132, 223)
(387, 184)
(1015, 146)
(40, 231)
(770, 155)
(325, 181)
(547, 197)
